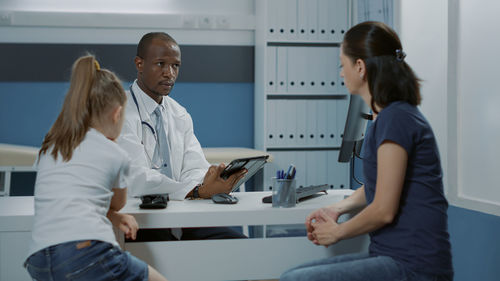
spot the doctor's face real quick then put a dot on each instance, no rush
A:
(158, 70)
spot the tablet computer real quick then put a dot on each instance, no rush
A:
(252, 164)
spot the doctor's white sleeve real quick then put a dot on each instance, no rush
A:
(142, 179)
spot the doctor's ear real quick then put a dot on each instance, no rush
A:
(139, 62)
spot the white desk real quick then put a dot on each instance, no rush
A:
(235, 259)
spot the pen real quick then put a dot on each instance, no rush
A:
(291, 170)
(292, 173)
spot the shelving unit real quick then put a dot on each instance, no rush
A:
(300, 100)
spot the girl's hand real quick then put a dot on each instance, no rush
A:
(125, 223)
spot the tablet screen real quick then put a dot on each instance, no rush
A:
(252, 164)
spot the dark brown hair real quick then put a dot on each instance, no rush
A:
(389, 77)
(91, 93)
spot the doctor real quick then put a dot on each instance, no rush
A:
(158, 134)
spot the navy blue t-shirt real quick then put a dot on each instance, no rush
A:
(418, 237)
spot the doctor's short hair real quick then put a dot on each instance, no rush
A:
(143, 45)
(388, 75)
(93, 91)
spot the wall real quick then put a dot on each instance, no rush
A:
(430, 51)
(40, 40)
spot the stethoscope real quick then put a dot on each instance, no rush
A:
(149, 126)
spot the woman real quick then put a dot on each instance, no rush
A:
(402, 200)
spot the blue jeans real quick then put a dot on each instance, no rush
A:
(356, 267)
(85, 260)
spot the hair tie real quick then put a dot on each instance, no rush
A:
(400, 55)
(97, 66)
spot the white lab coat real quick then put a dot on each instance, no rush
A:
(188, 163)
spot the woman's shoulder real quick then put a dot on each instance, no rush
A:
(400, 112)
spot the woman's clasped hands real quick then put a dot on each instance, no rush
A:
(322, 227)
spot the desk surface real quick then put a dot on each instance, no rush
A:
(16, 213)
(248, 211)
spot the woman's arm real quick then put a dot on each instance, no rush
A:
(391, 168)
(355, 201)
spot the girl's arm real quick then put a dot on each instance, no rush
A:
(119, 199)
(391, 162)
(124, 222)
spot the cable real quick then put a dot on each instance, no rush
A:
(353, 163)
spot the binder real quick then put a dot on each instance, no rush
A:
(310, 70)
(280, 123)
(300, 165)
(311, 127)
(312, 20)
(323, 9)
(271, 123)
(287, 123)
(322, 167)
(304, 70)
(281, 19)
(272, 20)
(332, 166)
(293, 69)
(321, 114)
(331, 117)
(301, 116)
(271, 69)
(311, 168)
(302, 25)
(281, 73)
(323, 62)
(341, 11)
(291, 19)
(332, 69)
(332, 21)
(292, 122)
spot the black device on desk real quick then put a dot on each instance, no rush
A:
(251, 164)
(154, 201)
(303, 193)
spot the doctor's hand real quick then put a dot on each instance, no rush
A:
(213, 183)
(317, 216)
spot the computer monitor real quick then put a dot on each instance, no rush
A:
(358, 115)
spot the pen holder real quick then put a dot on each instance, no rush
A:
(284, 194)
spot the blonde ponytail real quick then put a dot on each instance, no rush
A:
(92, 90)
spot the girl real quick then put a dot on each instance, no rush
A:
(402, 200)
(80, 187)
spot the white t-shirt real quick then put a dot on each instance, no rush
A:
(72, 198)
